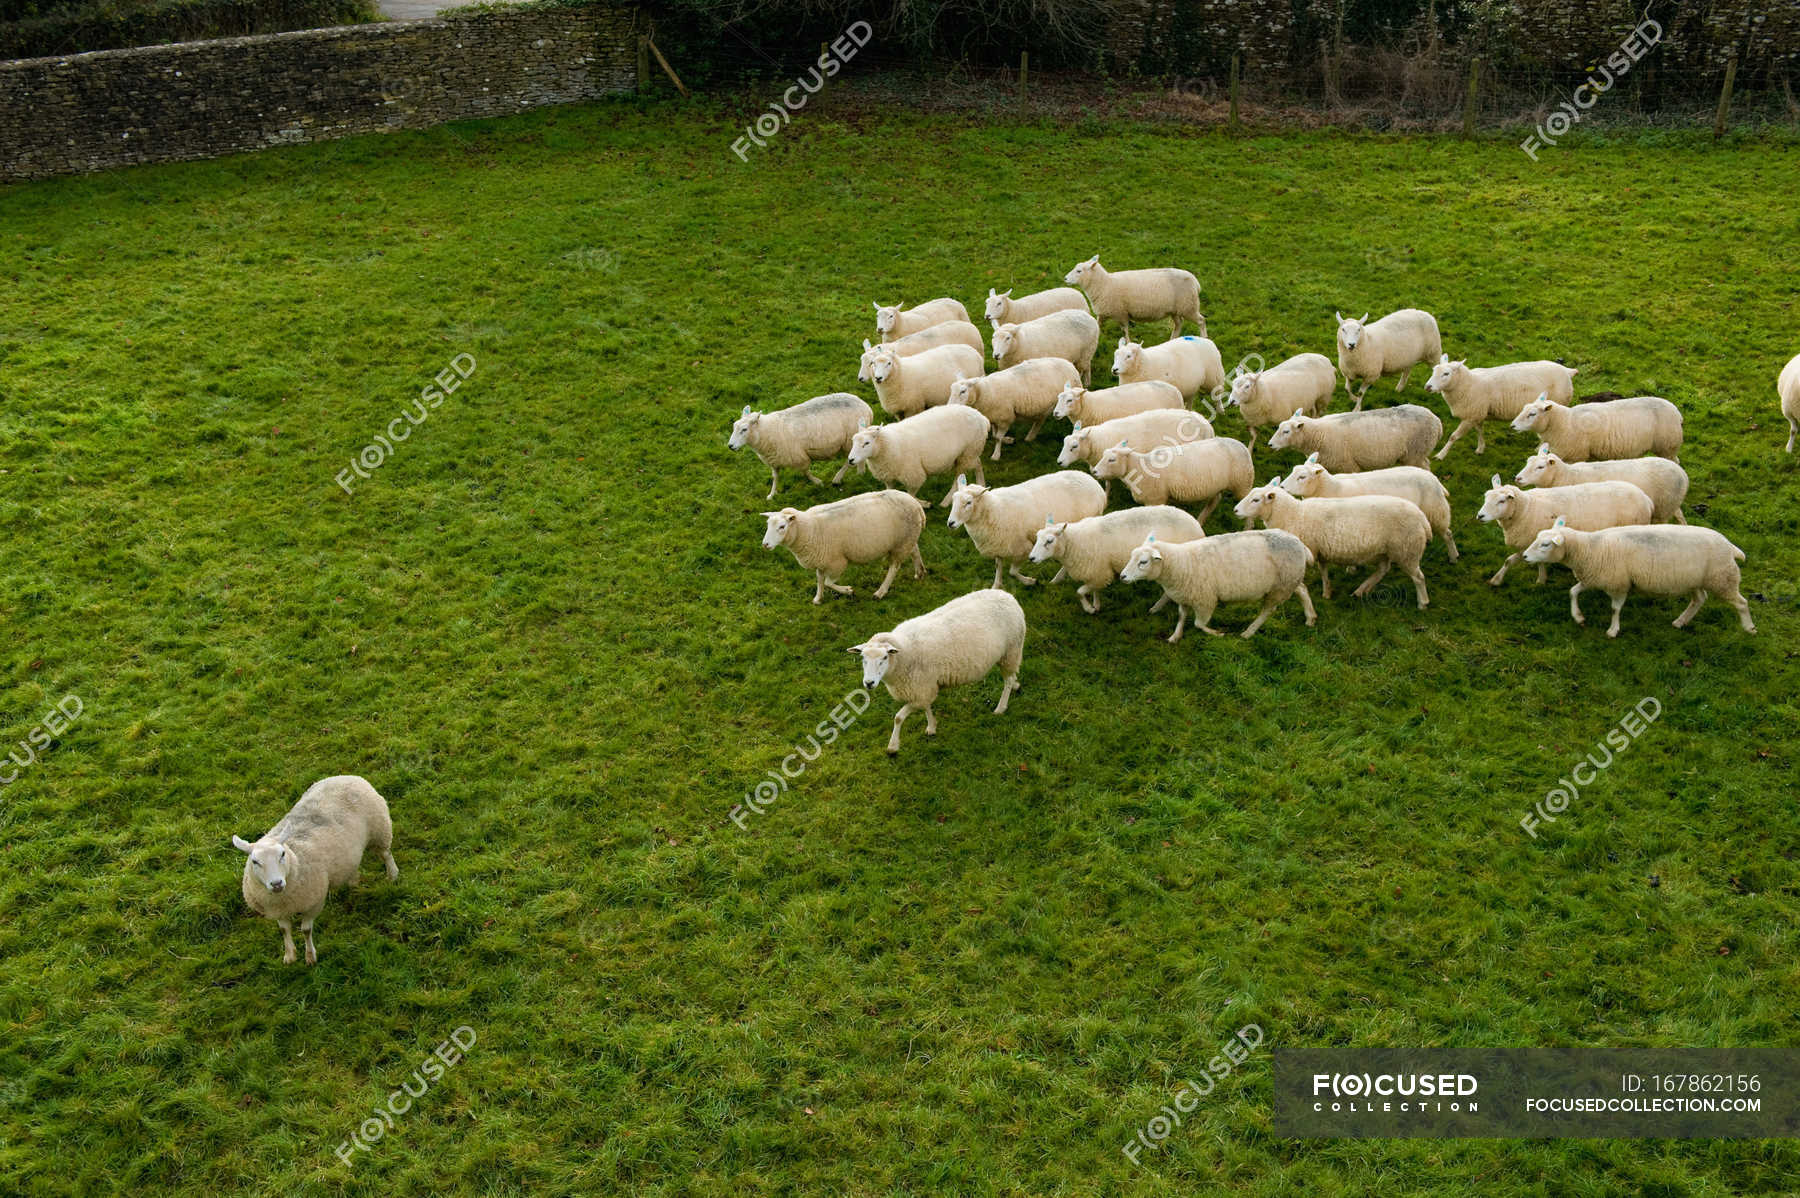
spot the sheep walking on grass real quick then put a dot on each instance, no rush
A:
(1003, 521)
(1027, 391)
(1356, 531)
(1191, 364)
(1094, 550)
(316, 846)
(1496, 392)
(894, 321)
(1665, 482)
(1788, 387)
(1002, 308)
(1347, 442)
(1143, 431)
(1394, 344)
(1153, 293)
(906, 386)
(1234, 567)
(1302, 383)
(863, 528)
(1191, 472)
(1110, 403)
(951, 332)
(1523, 514)
(936, 441)
(1658, 559)
(1070, 335)
(1614, 428)
(814, 431)
(1416, 485)
(954, 645)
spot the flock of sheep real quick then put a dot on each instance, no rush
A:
(1363, 497)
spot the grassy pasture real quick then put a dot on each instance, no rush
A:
(545, 629)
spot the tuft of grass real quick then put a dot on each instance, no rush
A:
(546, 631)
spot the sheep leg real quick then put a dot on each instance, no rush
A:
(1575, 604)
(918, 562)
(1252, 444)
(1324, 580)
(980, 474)
(287, 942)
(1369, 582)
(1061, 573)
(813, 478)
(1480, 438)
(1457, 435)
(819, 591)
(1275, 599)
(1418, 577)
(1208, 509)
(774, 482)
(1793, 431)
(1174, 327)
(906, 709)
(1000, 439)
(1737, 600)
(842, 470)
(1032, 435)
(1450, 543)
(930, 720)
(1180, 623)
(1013, 570)
(1089, 603)
(1693, 606)
(1506, 565)
(1007, 686)
(1306, 604)
(1543, 573)
(996, 584)
(1679, 517)
(893, 569)
(312, 954)
(1159, 604)
(387, 861)
(1125, 323)
(1618, 602)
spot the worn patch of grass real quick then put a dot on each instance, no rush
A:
(547, 633)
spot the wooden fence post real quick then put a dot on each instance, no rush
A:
(1724, 113)
(1024, 71)
(1471, 99)
(1234, 89)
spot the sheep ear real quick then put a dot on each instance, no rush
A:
(1443, 358)
(1495, 483)
(1078, 426)
(854, 649)
(862, 424)
(1543, 447)
(962, 480)
(746, 410)
(1365, 319)
(240, 844)
(1312, 459)
(992, 293)
(1125, 444)
(866, 345)
(1276, 481)
(1543, 397)
(1049, 520)
(1559, 522)
(875, 306)
(1299, 413)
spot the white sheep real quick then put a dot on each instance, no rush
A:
(863, 528)
(895, 321)
(1191, 472)
(1788, 387)
(1523, 514)
(1027, 391)
(1659, 559)
(1614, 428)
(813, 431)
(1351, 441)
(1094, 550)
(1392, 345)
(1110, 403)
(1191, 363)
(956, 644)
(936, 441)
(1303, 382)
(1354, 531)
(316, 846)
(1495, 392)
(1070, 335)
(951, 332)
(1665, 482)
(1234, 567)
(1418, 486)
(1002, 308)
(1142, 430)
(1153, 293)
(1003, 521)
(906, 386)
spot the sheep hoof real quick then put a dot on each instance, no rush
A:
(288, 957)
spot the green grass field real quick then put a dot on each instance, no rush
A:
(546, 631)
